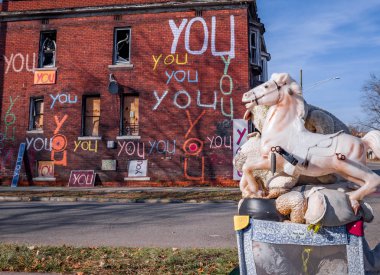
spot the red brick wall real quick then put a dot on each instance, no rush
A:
(48, 4)
(84, 51)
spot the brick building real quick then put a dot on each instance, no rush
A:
(142, 92)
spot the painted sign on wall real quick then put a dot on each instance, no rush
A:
(137, 168)
(82, 178)
(20, 157)
(240, 132)
(46, 169)
(44, 77)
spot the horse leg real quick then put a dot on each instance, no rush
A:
(244, 187)
(360, 174)
(248, 168)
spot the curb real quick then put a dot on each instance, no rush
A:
(104, 200)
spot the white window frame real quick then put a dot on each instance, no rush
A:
(264, 69)
(254, 59)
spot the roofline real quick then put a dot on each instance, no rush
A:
(125, 9)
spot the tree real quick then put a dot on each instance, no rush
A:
(371, 102)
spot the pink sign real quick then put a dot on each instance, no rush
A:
(82, 178)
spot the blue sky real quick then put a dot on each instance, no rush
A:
(326, 39)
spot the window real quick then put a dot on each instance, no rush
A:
(122, 46)
(130, 115)
(47, 51)
(264, 70)
(36, 113)
(253, 47)
(91, 116)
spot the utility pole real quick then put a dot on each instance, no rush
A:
(301, 79)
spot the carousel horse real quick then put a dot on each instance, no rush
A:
(304, 152)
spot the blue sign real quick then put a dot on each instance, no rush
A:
(20, 156)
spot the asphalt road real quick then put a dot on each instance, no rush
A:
(131, 225)
(105, 224)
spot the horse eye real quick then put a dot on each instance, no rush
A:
(266, 86)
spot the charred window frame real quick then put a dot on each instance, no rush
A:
(48, 47)
(122, 46)
(90, 115)
(129, 115)
(36, 113)
(254, 49)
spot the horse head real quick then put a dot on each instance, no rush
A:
(281, 88)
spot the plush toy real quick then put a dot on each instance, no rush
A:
(319, 205)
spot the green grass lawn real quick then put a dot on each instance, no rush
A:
(107, 260)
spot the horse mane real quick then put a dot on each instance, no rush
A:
(298, 97)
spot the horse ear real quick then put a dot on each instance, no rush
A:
(274, 76)
(282, 79)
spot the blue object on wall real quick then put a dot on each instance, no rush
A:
(20, 157)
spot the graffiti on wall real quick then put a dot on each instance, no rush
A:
(218, 142)
(19, 62)
(219, 99)
(39, 144)
(193, 148)
(9, 121)
(59, 143)
(63, 98)
(185, 27)
(86, 145)
(139, 149)
(132, 148)
(8, 137)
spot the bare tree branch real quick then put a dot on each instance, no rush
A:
(371, 103)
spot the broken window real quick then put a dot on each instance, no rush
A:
(91, 116)
(253, 48)
(130, 115)
(36, 113)
(122, 46)
(47, 51)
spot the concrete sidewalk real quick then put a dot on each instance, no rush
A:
(124, 194)
(104, 194)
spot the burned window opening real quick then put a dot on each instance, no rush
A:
(122, 46)
(47, 49)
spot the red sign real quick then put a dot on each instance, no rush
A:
(82, 178)
(44, 77)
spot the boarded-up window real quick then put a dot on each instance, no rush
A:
(130, 115)
(91, 116)
(36, 113)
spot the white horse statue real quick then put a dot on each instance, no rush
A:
(307, 153)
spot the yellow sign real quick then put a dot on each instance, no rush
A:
(44, 77)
